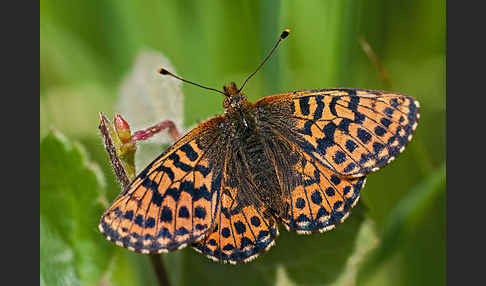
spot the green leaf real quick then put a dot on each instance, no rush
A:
(70, 204)
(404, 217)
(128, 269)
(366, 241)
(57, 265)
(323, 256)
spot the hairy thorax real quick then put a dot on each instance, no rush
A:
(252, 160)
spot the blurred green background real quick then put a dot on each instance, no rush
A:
(396, 234)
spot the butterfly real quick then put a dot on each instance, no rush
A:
(298, 158)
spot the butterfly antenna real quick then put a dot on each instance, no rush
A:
(163, 71)
(284, 35)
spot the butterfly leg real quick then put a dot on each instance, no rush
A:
(151, 131)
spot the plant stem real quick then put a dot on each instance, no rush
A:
(110, 148)
(159, 269)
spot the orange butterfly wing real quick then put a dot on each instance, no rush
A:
(322, 199)
(173, 201)
(315, 198)
(240, 234)
(350, 131)
(338, 136)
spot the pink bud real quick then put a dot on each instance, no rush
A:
(122, 128)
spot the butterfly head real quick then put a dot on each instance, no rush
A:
(234, 98)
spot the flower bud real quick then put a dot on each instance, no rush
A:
(123, 129)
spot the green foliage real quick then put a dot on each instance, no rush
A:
(57, 264)
(404, 220)
(86, 49)
(72, 251)
(70, 190)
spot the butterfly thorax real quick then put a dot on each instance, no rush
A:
(250, 168)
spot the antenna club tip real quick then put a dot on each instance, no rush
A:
(285, 33)
(163, 71)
